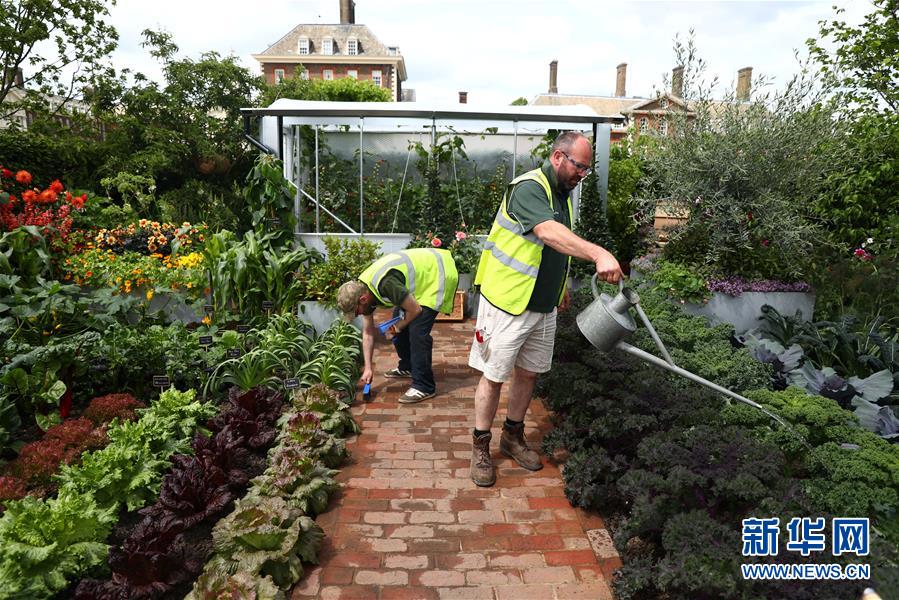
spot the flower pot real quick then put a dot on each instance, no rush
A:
(743, 312)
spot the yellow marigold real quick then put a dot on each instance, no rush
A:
(143, 222)
(207, 320)
(149, 294)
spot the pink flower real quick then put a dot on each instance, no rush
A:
(863, 254)
(765, 243)
(436, 242)
(460, 235)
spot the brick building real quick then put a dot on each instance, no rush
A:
(333, 52)
(644, 114)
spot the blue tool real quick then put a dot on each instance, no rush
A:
(383, 327)
(388, 324)
(366, 392)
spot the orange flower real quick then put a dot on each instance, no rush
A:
(23, 177)
(89, 274)
(29, 196)
(436, 242)
(56, 186)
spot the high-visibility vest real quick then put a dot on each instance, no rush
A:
(510, 260)
(430, 273)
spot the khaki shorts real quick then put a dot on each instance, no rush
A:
(525, 341)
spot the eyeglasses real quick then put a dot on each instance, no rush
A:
(583, 169)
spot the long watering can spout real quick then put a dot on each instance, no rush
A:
(607, 322)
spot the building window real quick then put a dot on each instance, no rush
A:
(279, 75)
(328, 46)
(303, 46)
(328, 74)
(663, 103)
(393, 50)
(376, 77)
(663, 127)
(352, 74)
(304, 74)
(352, 47)
(644, 124)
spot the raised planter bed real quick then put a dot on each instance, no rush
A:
(744, 311)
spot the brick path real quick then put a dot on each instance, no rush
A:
(409, 522)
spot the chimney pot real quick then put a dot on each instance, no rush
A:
(621, 80)
(347, 12)
(463, 97)
(553, 77)
(677, 81)
(744, 84)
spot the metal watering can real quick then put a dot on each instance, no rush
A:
(607, 322)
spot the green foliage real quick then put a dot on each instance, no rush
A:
(185, 130)
(683, 283)
(129, 470)
(748, 175)
(864, 64)
(271, 196)
(234, 585)
(347, 258)
(50, 38)
(345, 89)
(264, 537)
(326, 404)
(245, 273)
(24, 256)
(520, 101)
(47, 542)
(71, 159)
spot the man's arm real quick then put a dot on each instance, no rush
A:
(560, 238)
(368, 347)
(411, 309)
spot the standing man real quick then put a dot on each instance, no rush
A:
(523, 273)
(418, 283)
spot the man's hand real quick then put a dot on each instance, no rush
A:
(566, 301)
(366, 376)
(607, 268)
(391, 333)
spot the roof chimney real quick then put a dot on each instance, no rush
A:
(677, 81)
(463, 97)
(347, 12)
(620, 80)
(744, 84)
(553, 77)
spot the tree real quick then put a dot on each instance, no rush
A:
(520, 101)
(58, 44)
(346, 89)
(865, 64)
(185, 133)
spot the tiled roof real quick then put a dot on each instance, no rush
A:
(602, 105)
(369, 45)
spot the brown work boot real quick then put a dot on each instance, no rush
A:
(513, 445)
(482, 472)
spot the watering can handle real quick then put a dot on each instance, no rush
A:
(596, 290)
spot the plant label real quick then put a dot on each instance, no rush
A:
(243, 328)
(205, 340)
(292, 383)
(268, 305)
(209, 308)
(161, 381)
(233, 353)
(274, 222)
(209, 369)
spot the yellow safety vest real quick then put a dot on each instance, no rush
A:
(430, 273)
(510, 260)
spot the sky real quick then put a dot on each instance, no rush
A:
(499, 50)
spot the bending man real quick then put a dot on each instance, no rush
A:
(418, 283)
(523, 273)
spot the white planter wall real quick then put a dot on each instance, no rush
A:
(744, 311)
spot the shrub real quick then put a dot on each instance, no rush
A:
(346, 260)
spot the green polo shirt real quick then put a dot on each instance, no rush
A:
(392, 287)
(528, 206)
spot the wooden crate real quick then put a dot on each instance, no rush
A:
(458, 313)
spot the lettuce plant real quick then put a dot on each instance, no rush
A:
(265, 536)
